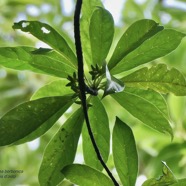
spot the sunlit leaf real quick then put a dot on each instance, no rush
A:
(113, 85)
(143, 110)
(101, 34)
(166, 179)
(125, 153)
(28, 117)
(85, 176)
(88, 8)
(157, 46)
(153, 97)
(25, 58)
(61, 150)
(55, 88)
(134, 36)
(158, 78)
(47, 34)
(100, 128)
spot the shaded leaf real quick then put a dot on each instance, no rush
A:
(47, 34)
(61, 150)
(143, 110)
(166, 179)
(100, 128)
(101, 34)
(55, 88)
(158, 78)
(125, 153)
(24, 58)
(157, 46)
(113, 85)
(88, 8)
(28, 117)
(134, 36)
(85, 176)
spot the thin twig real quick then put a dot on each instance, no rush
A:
(82, 85)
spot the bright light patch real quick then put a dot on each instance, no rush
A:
(34, 145)
(25, 24)
(114, 7)
(45, 31)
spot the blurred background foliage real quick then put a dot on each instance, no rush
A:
(17, 87)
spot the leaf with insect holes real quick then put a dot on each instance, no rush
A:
(50, 36)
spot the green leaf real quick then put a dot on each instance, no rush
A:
(101, 35)
(181, 182)
(145, 111)
(166, 179)
(48, 123)
(26, 58)
(28, 117)
(85, 176)
(47, 34)
(61, 150)
(157, 46)
(125, 153)
(153, 97)
(55, 88)
(113, 84)
(158, 78)
(88, 8)
(134, 36)
(100, 128)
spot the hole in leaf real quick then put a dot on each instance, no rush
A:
(25, 24)
(45, 31)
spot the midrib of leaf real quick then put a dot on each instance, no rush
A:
(135, 45)
(147, 101)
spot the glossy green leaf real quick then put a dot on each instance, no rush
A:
(47, 34)
(113, 84)
(145, 111)
(61, 150)
(134, 36)
(25, 58)
(100, 128)
(166, 179)
(68, 101)
(101, 31)
(54, 88)
(158, 78)
(28, 117)
(85, 176)
(88, 8)
(157, 46)
(125, 153)
(153, 97)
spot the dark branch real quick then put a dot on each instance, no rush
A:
(82, 85)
